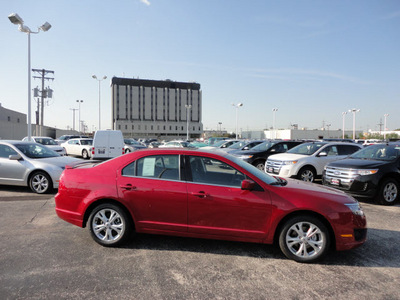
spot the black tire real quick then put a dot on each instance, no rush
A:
(40, 182)
(260, 164)
(306, 174)
(306, 248)
(388, 192)
(127, 151)
(85, 154)
(116, 231)
(65, 151)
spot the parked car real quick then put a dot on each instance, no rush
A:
(175, 144)
(204, 194)
(307, 161)
(107, 144)
(221, 144)
(79, 147)
(48, 142)
(242, 145)
(31, 164)
(257, 156)
(66, 137)
(372, 172)
(132, 145)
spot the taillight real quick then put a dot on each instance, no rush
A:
(93, 150)
(123, 151)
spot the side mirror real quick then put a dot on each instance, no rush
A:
(248, 185)
(15, 157)
(323, 154)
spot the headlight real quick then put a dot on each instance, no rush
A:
(289, 162)
(365, 172)
(356, 209)
(245, 156)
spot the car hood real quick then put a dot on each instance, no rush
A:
(60, 161)
(306, 192)
(356, 163)
(287, 156)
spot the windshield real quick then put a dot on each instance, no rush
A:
(238, 145)
(46, 141)
(36, 151)
(220, 143)
(263, 146)
(268, 179)
(378, 152)
(306, 149)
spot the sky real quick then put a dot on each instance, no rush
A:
(312, 60)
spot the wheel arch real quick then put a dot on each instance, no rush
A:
(93, 205)
(297, 213)
(309, 166)
(392, 175)
(33, 172)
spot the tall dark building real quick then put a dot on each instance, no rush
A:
(152, 108)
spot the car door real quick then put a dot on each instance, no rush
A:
(11, 171)
(154, 190)
(218, 206)
(332, 154)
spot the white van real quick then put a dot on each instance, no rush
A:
(107, 144)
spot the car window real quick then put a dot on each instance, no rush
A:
(331, 150)
(306, 149)
(347, 149)
(6, 151)
(155, 166)
(215, 172)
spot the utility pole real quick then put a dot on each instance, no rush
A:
(380, 126)
(44, 93)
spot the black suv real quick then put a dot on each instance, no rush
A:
(257, 156)
(371, 172)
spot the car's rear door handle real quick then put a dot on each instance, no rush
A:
(128, 187)
(200, 194)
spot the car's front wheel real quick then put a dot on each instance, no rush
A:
(109, 225)
(388, 192)
(304, 239)
(40, 182)
(306, 174)
(260, 164)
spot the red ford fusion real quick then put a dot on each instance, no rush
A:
(210, 195)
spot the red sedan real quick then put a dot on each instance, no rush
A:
(202, 194)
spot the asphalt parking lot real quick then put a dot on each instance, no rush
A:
(43, 257)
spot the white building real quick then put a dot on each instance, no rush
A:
(156, 109)
(298, 134)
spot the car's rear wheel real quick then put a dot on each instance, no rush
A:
(109, 225)
(40, 182)
(260, 164)
(127, 151)
(304, 239)
(388, 192)
(85, 154)
(306, 174)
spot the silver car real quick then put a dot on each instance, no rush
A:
(31, 164)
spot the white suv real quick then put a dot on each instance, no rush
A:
(306, 161)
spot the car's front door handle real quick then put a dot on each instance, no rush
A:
(128, 187)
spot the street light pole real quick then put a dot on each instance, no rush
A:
(384, 130)
(188, 107)
(354, 111)
(274, 110)
(73, 118)
(17, 20)
(237, 108)
(343, 116)
(79, 114)
(99, 80)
